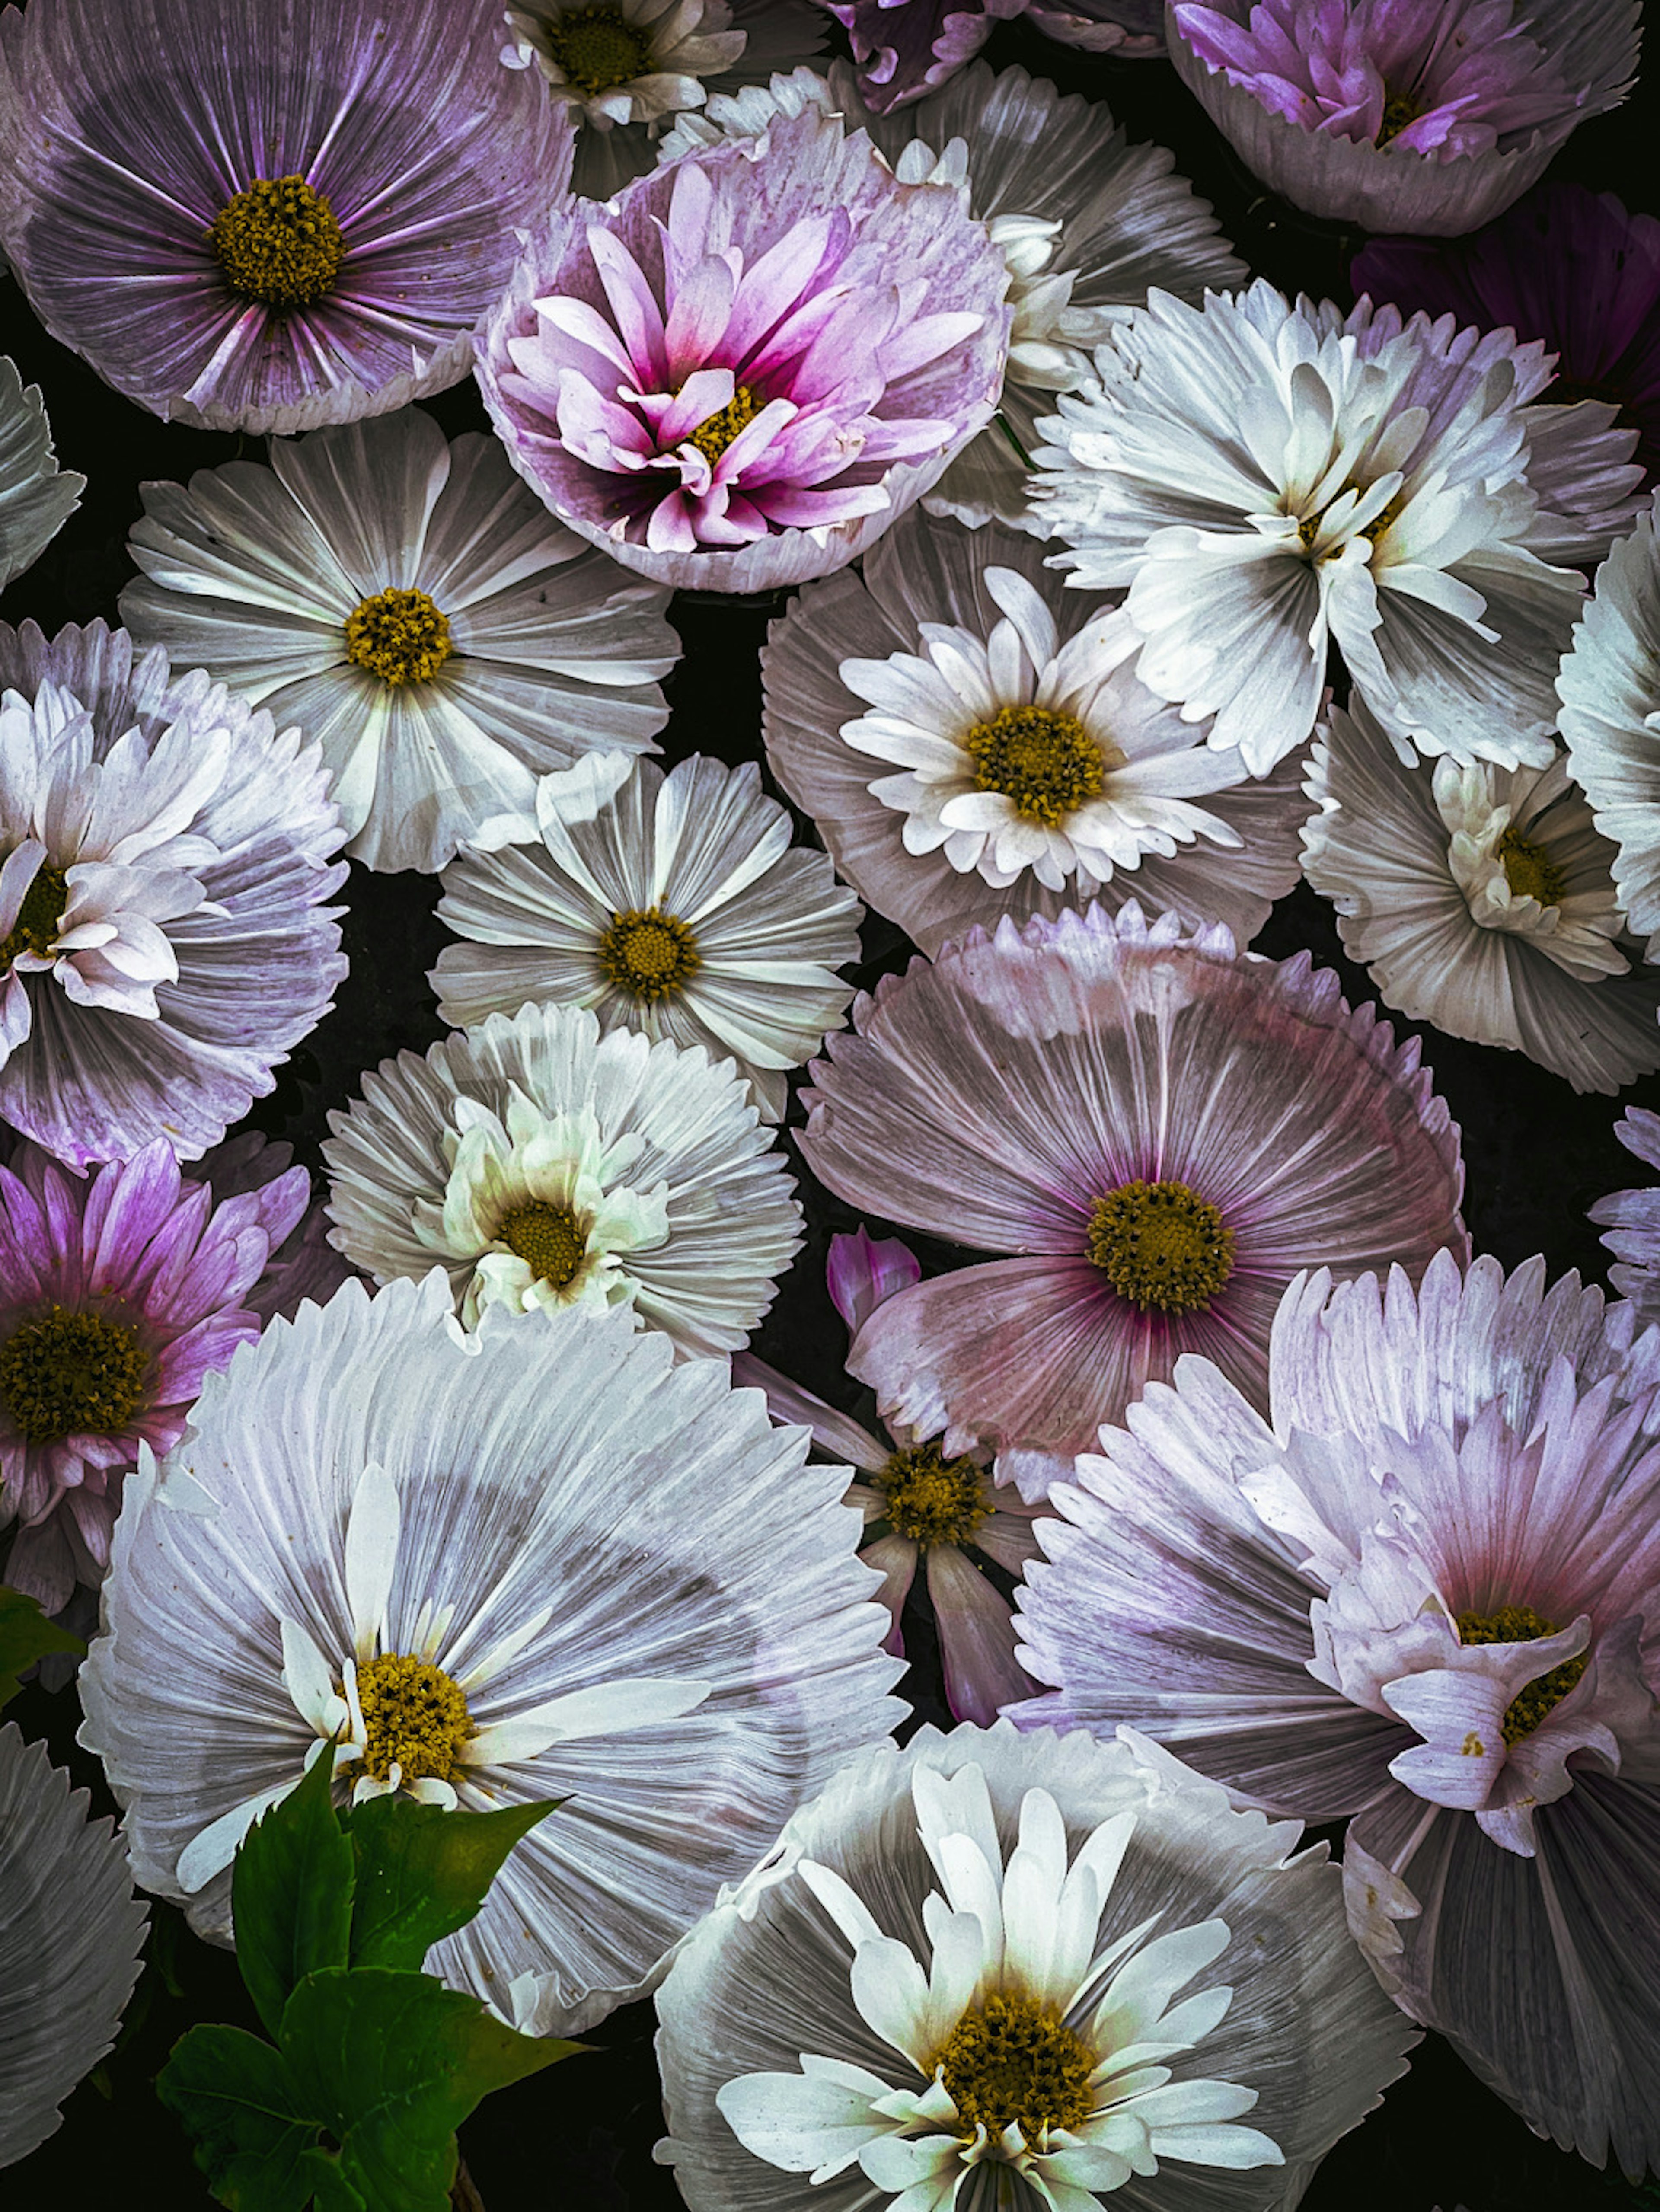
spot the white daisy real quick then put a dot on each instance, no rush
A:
(675, 905)
(1268, 478)
(71, 1940)
(521, 1565)
(409, 603)
(966, 1978)
(37, 497)
(542, 1164)
(1481, 899)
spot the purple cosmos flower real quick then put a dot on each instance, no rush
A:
(1415, 115)
(923, 1505)
(268, 214)
(905, 48)
(117, 1294)
(1568, 265)
(1632, 1218)
(1159, 1131)
(740, 372)
(304, 1264)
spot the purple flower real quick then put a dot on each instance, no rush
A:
(267, 215)
(905, 48)
(1632, 1218)
(119, 1293)
(1129, 30)
(1568, 265)
(738, 374)
(304, 1264)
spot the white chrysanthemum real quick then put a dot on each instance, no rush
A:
(966, 1978)
(530, 1563)
(1481, 898)
(543, 1165)
(1609, 689)
(1268, 478)
(416, 611)
(37, 497)
(71, 1939)
(675, 905)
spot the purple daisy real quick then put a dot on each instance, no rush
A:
(905, 48)
(266, 214)
(1159, 1131)
(300, 1266)
(1567, 265)
(737, 374)
(119, 1293)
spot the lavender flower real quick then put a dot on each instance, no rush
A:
(1129, 30)
(905, 48)
(1631, 1219)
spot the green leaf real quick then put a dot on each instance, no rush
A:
(27, 1635)
(291, 1894)
(234, 2094)
(324, 2173)
(423, 1871)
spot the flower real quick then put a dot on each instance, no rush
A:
(1129, 30)
(1163, 1130)
(542, 1164)
(261, 217)
(119, 1293)
(1633, 1219)
(36, 498)
(406, 601)
(1392, 491)
(917, 1504)
(1039, 771)
(1481, 900)
(906, 48)
(526, 1566)
(1567, 265)
(971, 1955)
(674, 905)
(164, 858)
(71, 1941)
(802, 342)
(1413, 115)
(303, 1264)
(1419, 1601)
(1609, 690)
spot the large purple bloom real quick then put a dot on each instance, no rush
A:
(740, 377)
(267, 215)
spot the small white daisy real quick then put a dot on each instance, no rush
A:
(1481, 899)
(544, 1165)
(675, 905)
(526, 1564)
(409, 603)
(37, 497)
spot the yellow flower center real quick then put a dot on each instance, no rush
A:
(1011, 2059)
(716, 431)
(65, 1374)
(278, 243)
(1529, 870)
(1160, 1244)
(399, 637)
(649, 954)
(1399, 110)
(1309, 528)
(1047, 763)
(414, 1716)
(39, 918)
(1520, 1624)
(596, 49)
(931, 1500)
(550, 1239)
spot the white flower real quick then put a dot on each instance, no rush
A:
(36, 497)
(677, 906)
(416, 611)
(1268, 478)
(973, 1974)
(1481, 899)
(545, 1165)
(534, 1563)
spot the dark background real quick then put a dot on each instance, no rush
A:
(579, 2137)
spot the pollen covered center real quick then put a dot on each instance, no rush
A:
(278, 242)
(932, 1499)
(716, 431)
(415, 1718)
(1529, 870)
(596, 50)
(1159, 1244)
(550, 1239)
(401, 636)
(70, 1374)
(1520, 1624)
(649, 954)
(39, 918)
(1399, 109)
(1010, 2059)
(1044, 762)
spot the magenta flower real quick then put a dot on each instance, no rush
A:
(905, 48)
(920, 1504)
(118, 1295)
(741, 372)
(1159, 1131)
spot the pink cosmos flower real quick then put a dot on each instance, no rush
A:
(739, 372)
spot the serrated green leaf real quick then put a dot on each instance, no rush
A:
(27, 1635)
(291, 1894)
(423, 1871)
(234, 2094)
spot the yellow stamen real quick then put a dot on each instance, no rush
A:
(399, 637)
(649, 954)
(1046, 763)
(1009, 2059)
(70, 1374)
(550, 1239)
(1520, 1624)
(932, 1499)
(1161, 1245)
(414, 1716)
(278, 242)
